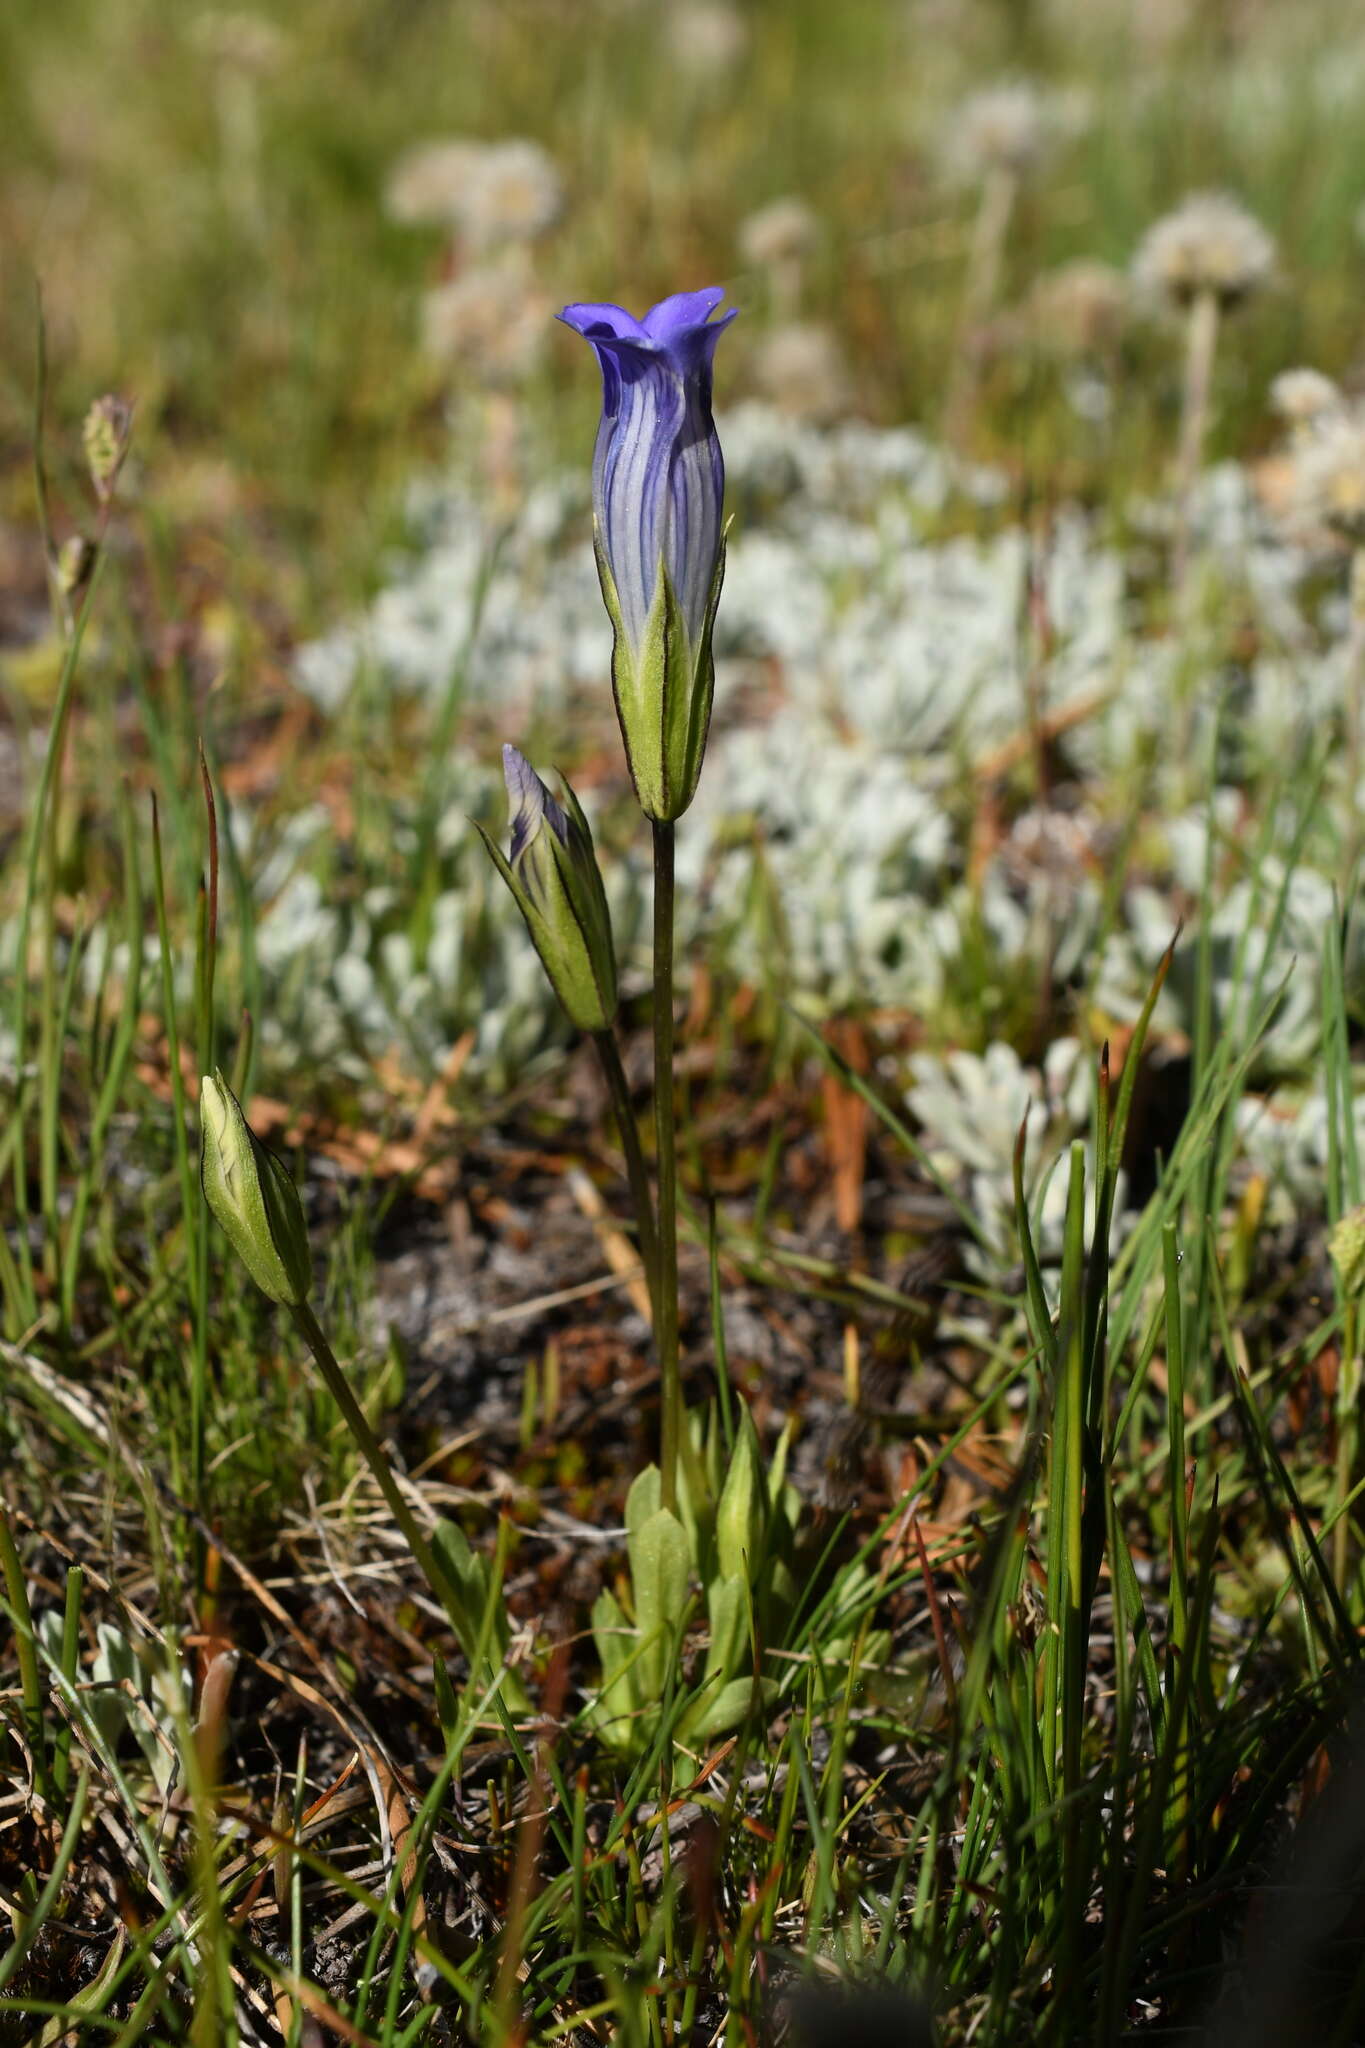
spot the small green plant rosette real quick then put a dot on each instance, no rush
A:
(735, 1531)
(553, 875)
(636, 1650)
(252, 1196)
(663, 690)
(747, 1591)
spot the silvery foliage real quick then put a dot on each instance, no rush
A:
(348, 983)
(1286, 1136)
(971, 1107)
(1265, 945)
(874, 657)
(516, 614)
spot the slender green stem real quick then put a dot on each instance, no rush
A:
(296, 1889)
(1178, 1799)
(71, 1650)
(637, 1173)
(1348, 1442)
(25, 1653)
(190, 1194)
(36, 870)
(1354, 718)
(120, 1051)
(206, 1058)
(1200, 348)
(666, 1311)
(994, 213)
(373, 1453)
(49, 1056)
(43, 838)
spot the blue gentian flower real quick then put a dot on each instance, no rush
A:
(658, 480)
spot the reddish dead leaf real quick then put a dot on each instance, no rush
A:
(846, 1122)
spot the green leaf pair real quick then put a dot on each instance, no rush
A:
(735, 1531)
(638, 1653)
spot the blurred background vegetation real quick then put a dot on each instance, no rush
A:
(200, 195)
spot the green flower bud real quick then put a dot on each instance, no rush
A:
(75, 560)
(105, 433)
(1347, 1247)
(252, 1196)
(551, 870)
(663, 689)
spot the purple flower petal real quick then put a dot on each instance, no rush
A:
(531, 802)
(682, 309)
(598, 321)
(658, 474)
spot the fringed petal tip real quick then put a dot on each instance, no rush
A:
(680, 328)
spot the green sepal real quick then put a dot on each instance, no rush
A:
(663, 689)
(468, 1575)
(704, 680)
(588, 897)
(622, 667)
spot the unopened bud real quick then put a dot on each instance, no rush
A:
(552, 871)
(253, 1197)
(75, 560)
(105, 433)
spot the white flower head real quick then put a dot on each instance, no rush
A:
(1304, 398)
(706, 38)
(800, 368)
(516, 193)
(1210, 243)
(490, 321)
(491, 193)
(1329, 474)
(1011, 127)
(784, 231)
(428, 183)
(240, 41)
(1081, 308)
